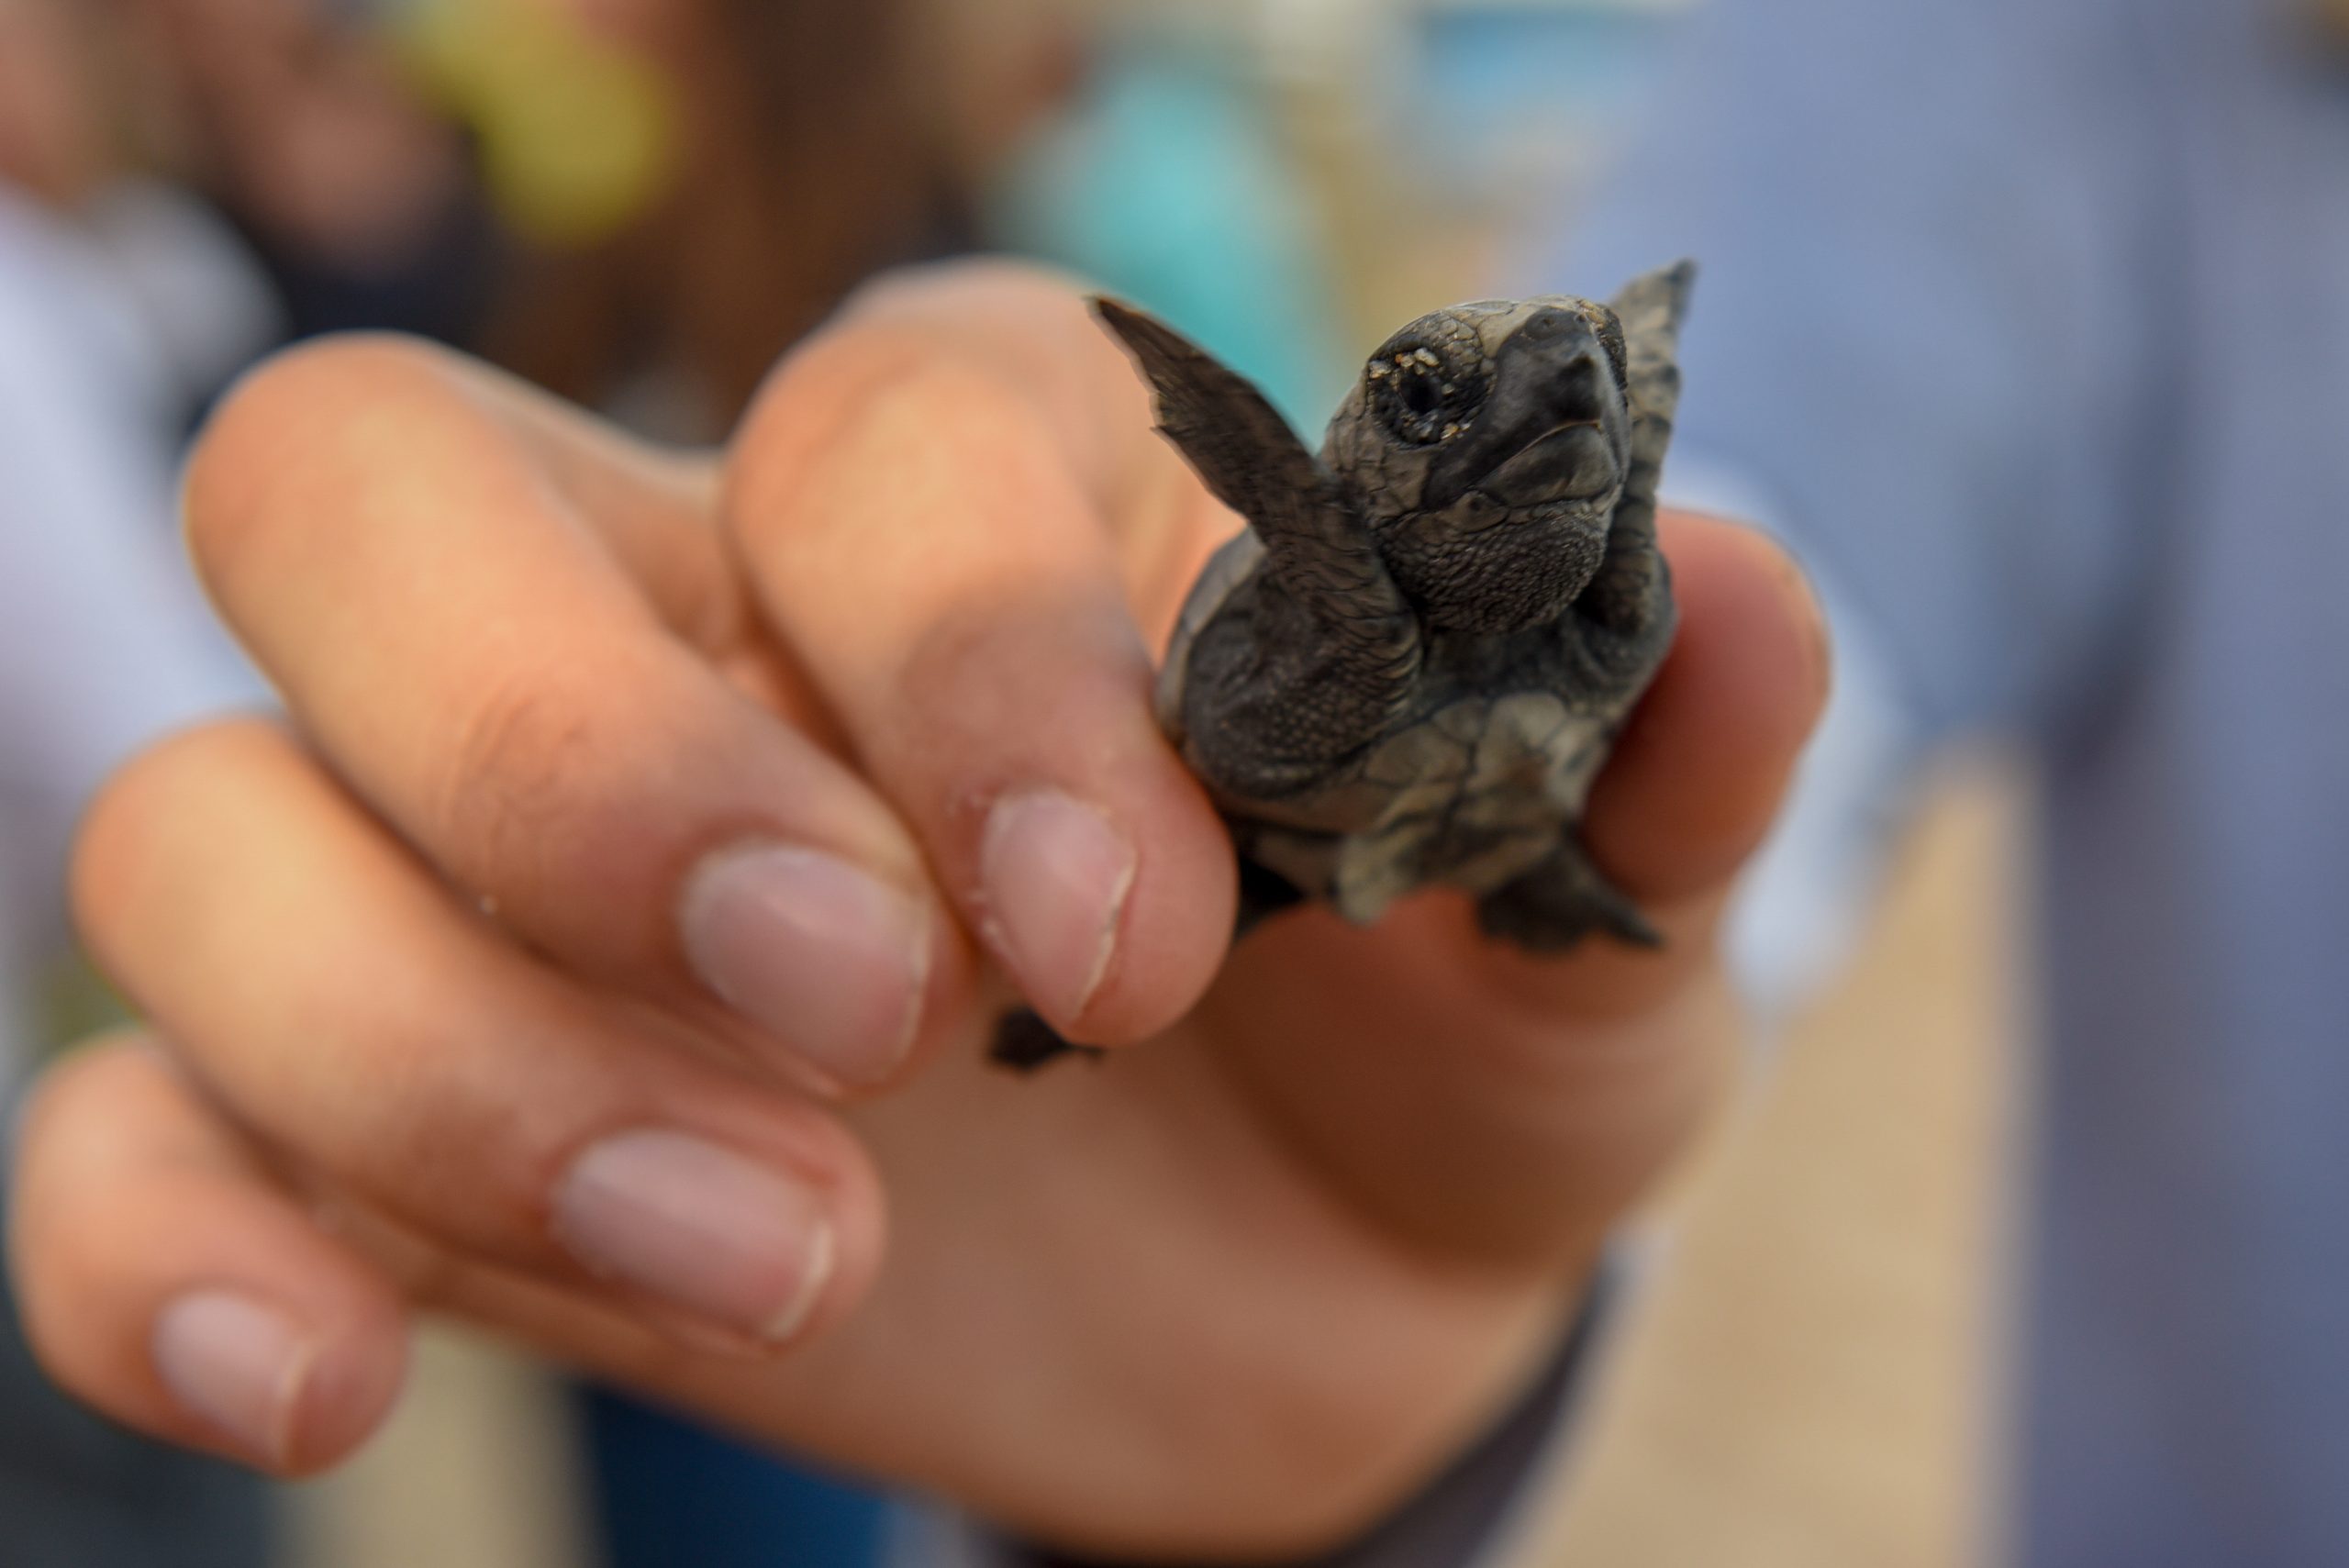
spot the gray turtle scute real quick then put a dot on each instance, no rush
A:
(1410, 666)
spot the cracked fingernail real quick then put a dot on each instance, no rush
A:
(822, 956)
(237, 1364)
(700, 1227)
(1054, 873)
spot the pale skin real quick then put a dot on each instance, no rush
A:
(456, 975)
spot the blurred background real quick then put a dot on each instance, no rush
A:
(641, 203)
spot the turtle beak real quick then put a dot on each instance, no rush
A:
(1545, 433)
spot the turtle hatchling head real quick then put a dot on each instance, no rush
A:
(1486, 445)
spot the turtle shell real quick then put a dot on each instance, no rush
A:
(1470, 790)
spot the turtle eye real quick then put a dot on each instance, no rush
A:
(1421, 394)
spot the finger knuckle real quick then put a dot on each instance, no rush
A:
(71, 1109)
(940, 400)
(50, 1102)
(128, 825)
(537, 776)
(291, 411)
(883, 405)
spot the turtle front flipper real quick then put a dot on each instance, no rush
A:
(1316, 548)
(1630, 595)
(1558, 903)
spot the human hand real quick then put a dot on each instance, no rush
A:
(603, 952)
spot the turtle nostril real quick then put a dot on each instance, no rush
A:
(1547, 325)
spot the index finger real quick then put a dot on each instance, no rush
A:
(514, 640)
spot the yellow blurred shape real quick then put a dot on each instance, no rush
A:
(578, 137)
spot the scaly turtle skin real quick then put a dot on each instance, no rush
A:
(1410, 666)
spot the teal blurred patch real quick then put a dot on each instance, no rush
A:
(1169, 186)
(1504, 92)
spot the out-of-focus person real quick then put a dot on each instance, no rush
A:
(299, 120)
(686, 187)
(2028, 322)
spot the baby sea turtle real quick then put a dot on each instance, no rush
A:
(1409, 668)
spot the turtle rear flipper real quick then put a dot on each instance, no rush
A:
(1024, 1041)
(1560, 902)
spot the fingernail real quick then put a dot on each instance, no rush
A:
(827, 959)
(1056, 874)
(237, 1364)
(699, 1226)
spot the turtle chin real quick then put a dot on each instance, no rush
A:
(1479, 566)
